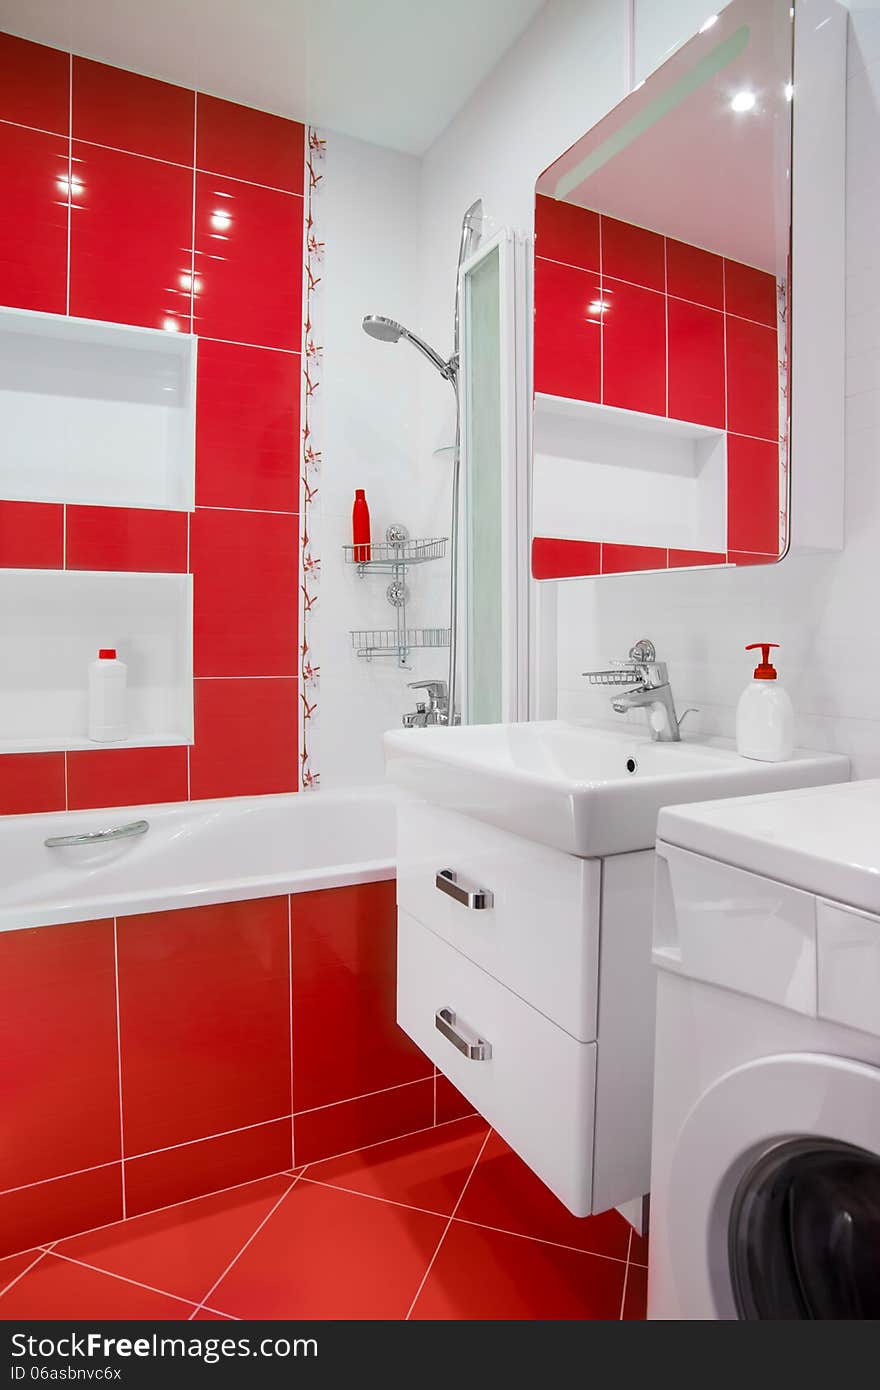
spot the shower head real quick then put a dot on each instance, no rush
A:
(388, 331)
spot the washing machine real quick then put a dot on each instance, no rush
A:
(765, 1178)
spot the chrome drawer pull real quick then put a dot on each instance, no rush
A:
(476, 898)
(98, 837)
(475, 1048)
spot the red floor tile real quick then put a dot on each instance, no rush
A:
(638, 1250)
(503, 1192)
(183, 1249)
(205, 1315)
(480, 1274)
(422, 1170)
(635, 1303)
(60, 1207)
(330, 1254)
(451, 1104)
(351, 1124)
(207, 1165)
(57, 1289)
(14, 1265)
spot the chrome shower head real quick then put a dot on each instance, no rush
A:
(386, 330)
(389, 331)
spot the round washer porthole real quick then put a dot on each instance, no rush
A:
(804, 1234)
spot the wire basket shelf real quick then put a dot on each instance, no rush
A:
(624, 675)
(370, 642)
(389, 555)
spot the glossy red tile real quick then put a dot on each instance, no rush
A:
(31, 782)
(503, 1192)
(638, 1250)
(34, 84)
(56, 1289)
(188, 1170)
(559, 559)
(752, 379)
(565, 232)
(635, 1303)
(346, 1041)
(427, 1170)
(225, 762)
(329, 1254)
(352, 1124)
(130, 239)
(58, 1041)
(682, 559)
(125, 776)
(126, 538)
(752, 495)
(33, 229)
(131, 112)
(248, 286)
(205, 1315)
(204, 1021)
(488, 1275)
(632, 253)
(247, 439)
(750, 557)
(750, 293)
(249, 144)
(624, 559)
(183, 1249)
(48, 1210)
(634, 348)
(695, 274)
(696, 363)
(31, 535)
(14, 1265)
(567, 334)
(239, 560)
(451, 1104)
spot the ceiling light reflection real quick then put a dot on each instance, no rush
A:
(743, 101)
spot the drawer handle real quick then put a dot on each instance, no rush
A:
(478, 899)
(475, 1048)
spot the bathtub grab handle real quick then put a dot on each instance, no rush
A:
(98, 837)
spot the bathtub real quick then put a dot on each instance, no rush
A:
(194, 853)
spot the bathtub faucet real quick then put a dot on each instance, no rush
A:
(433, 711)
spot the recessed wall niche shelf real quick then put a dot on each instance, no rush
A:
(96, 413)
(52, 623)
(393, 557)
(639, 479)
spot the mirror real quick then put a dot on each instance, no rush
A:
(662, 254)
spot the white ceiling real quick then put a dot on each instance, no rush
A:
(393, 72)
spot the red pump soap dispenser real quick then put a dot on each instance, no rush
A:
(360, 527)
(764, 715)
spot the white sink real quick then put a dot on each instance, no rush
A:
(581, 788)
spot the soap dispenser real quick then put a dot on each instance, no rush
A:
(765, 715)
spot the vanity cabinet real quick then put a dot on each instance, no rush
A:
(525, 975)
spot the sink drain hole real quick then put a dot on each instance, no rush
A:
(632, 765)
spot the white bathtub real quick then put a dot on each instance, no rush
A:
(193, 853)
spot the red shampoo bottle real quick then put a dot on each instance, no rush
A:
(360, 527)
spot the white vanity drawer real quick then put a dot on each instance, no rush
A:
(539, 935)
(537, 1087)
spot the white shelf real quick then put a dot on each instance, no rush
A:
(605, 474)
(96, 413)
(52, 623)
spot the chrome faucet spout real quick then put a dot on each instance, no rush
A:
(653, 693)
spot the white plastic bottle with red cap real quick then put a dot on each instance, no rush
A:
(765, 714)
(108, 678)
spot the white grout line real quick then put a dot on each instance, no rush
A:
(666, 332)
(119, 1058)
(249, 1240)
(260, 347)
(22, 1272)
(123, 1278)
(192, 259)
(448, 1224)
(625, 1275)
(290, 1020)
(205, 1138)
(59, 1177)
(426, 1129)
(365, 1095)
(69, 176)
(261, 511)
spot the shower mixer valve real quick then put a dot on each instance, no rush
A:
(433, 711)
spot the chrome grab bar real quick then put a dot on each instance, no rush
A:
(478, 899)
(99, 837)
(475, 1048)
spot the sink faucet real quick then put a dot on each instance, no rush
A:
(434, 711)
(652, 691)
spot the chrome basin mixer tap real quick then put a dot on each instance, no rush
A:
(650, 690)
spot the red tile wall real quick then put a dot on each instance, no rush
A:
(138, 202)
(153, 1058)
(686, 334)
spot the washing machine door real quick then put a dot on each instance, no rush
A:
(774, 1196)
